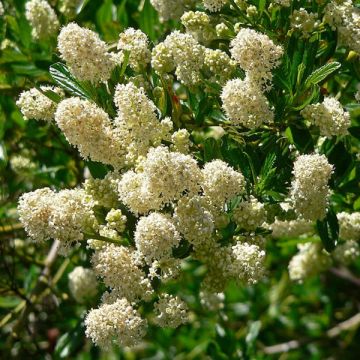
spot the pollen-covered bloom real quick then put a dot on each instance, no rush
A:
(329, 116)
(117, 323)
(309, 188)
(35, 105)
(82, 284)
(309, 261)
(117, 266)
(245, 104)
(250, 214)
(62, 216)
(221, 182)
(85, 53)
(42, 19)
(214, 5)
(170, 311)
(256, 53)
(89, 128)
(137, 44)
(155, 237)
(349, 225)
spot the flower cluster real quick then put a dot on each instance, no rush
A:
(82, 284)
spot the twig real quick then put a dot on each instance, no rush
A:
(346, 275)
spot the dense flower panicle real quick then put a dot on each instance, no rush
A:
(117, 266)
(82, 284)
(310, 260)
(303, 21)
(197, 23)
(221, 182)
(104, 192)
(89, 128)
(291, 228)
(116, 323)
(63, 216)
(170, 9)
(21, 164)
(349, 225)
(247, 262)
(309, 189)
(245, 104)
(35, 105)
(250, 214)
(345, 17)
(347, 252)
(155, 237)
(85, 54)
(34, 210)
(214, 5)
(171, 312)
(220, 64)
(162, 177)
(42, 19)
(137, 43)
(193, 220)
(137, 118)
(256, 53)
(184, 53)
(329, 116)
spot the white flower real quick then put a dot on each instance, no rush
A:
(349, 225)
(82, 283)
(214, 5)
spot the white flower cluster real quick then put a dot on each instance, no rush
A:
(257, 54)
(180, 51)
(89, 128)
(304, 22)
(329, 116)
(117, 323)
(170, 9)
(220, 64)
(250, 214)
(214, 5)
(310, 260)
(21, 164)
(170, 311)
(347, 252)
(309, 189)
(345, 17)
(245, 104)
(291, 228)
(82, 283)
(137, 44)
(42, 19)
(85, 54)
(117, 266)
(349, 225)
(212, 301)
(35, 105)
(63, 216)
(197, 23)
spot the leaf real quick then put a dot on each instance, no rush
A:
(97, 170)
(253, 332)
(62, 76)
(301, 138)
(328, 230)
(322, 73)
(211, 150)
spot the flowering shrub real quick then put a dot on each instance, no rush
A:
(233, 127)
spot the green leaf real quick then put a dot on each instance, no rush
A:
(320, 74)
(328, 230)
(253, 332)
(97, 170)
(62, 76)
